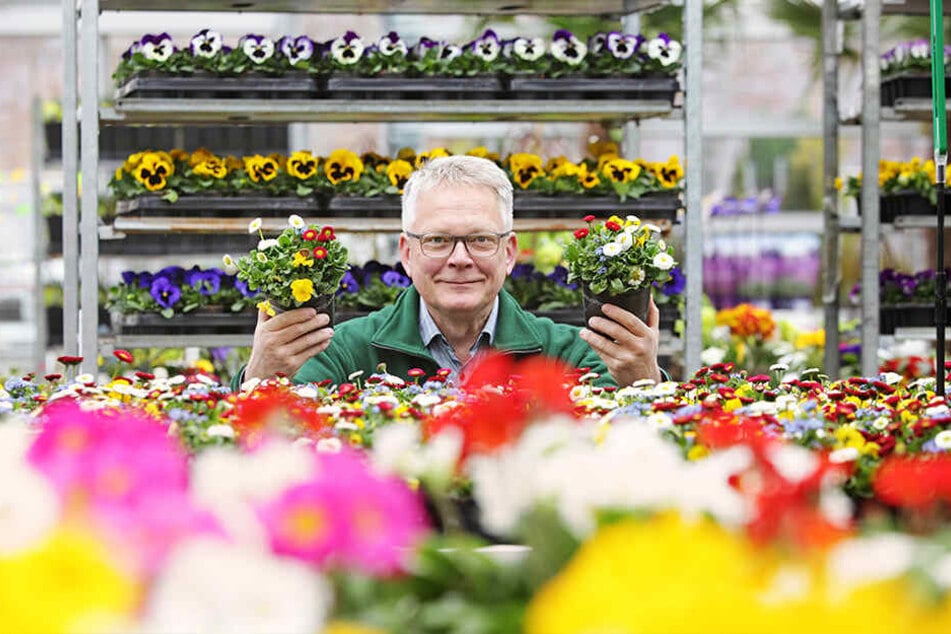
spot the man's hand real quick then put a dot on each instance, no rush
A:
(284, 342)
(629, 346)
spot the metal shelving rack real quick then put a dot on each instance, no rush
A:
(872, 116)
(85, 48)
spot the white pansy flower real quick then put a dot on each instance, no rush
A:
(663, 261)
(664, 50)
(529, 49)
(347, 49)
(206, 43)
(257, 48)
(296, 221)
(254, 225)
(611, 249)
(157, 48)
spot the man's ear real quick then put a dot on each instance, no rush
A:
(511, 252)
(404, 254)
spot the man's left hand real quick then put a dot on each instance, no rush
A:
(628, 346)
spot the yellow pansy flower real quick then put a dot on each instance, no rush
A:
(343, 166)
(303, 290)
(398, 172)
(267, 308)
(301, 259)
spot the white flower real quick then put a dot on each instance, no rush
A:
(29, 505)
(296, 221)
(347, 49)
(221, 431)
(860, 561)
(206, 43)
(529, 49)
(663, 261)
(943, 439)
(391, 44)
(794, 463)
(891, 378)
(257, 48)
(157, 48)
(355, 375)
(664, 49)
(399, 449)
(211, 585)
(611, 249)
(267, 243)
(711, 355)
(254, 225)
(625, 240)
(568, 49)
(229, 263)
(653, 228)
(637, 276)
(329, 445)
(846, 454)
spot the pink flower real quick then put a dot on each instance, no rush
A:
(305, 521)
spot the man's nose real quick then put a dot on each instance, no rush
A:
(460, 252)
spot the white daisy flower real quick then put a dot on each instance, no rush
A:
(663, 261)
(254, 225)
(296, 221)
(267, 243)
(611, 249)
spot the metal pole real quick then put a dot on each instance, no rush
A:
(39, 240)
(70, 172)
(939, 118)
(831, 275)
(871, 150)
(89, 223)
(693, 153)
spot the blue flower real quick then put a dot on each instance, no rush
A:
(348, 284)
(164, 292)
(392, 278)
(676, 284)
(208, 282)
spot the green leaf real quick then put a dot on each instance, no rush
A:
(168, 313)
(171, 196)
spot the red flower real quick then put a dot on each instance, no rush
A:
(589, 218)
(914, 481)
(581, 233)
(53, 377)
(416, 372)
(67, 360)
(145, 376)
(123, 355)
(309, 235)
(612, 226)
(326, 234)
(320, 253)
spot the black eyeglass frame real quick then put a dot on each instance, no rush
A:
(456, 239)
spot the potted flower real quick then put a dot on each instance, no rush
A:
(906, 188)
(906, 72)
(303, 266)
(617, 262)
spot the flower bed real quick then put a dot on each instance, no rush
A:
(712, 491)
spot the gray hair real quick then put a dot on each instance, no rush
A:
(470, 171)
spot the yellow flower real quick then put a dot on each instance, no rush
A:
(153, 172)
(301, 259)
(302, 165)
(848, 437)
(838, 183)
(621, 170)
(563, 168)
(590, 179)
(200, 156)
(233, 163)
(303, 290)
(406, 154)
(260, 168)
(213, 167)
(342, 166)
(555, 162)
(66, 584)
(119, 173)
(697, 452)
(267, 308)
(424, 157)
(349, 627)
(669, 173)
(178, 154)
(599, 147)
(398, 172)
(814, 339)
(483, 152)
(525, 168)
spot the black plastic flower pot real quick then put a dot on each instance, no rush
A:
(414, 88)
(898, 89)
(321, 303)
(903, 203)
(598, 88)
(637, 302)
(206, 206)
(294, 85)
(655, 206)
(211, 320)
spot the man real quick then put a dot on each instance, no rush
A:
(457, 246)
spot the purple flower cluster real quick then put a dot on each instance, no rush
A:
(896, 287)
(170, 285)
(765, 203)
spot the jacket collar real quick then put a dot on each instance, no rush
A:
(514, 330)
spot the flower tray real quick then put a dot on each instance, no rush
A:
(209, 321)
(207, 86)
(220, 206)
(646, 88)
(908, 86)
(372, 207)
(653, 206)
(409, 88)
(907, 316)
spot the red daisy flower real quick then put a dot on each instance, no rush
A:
(320, 253)
(326, 234)
(612, 226)
(309, 235)
(123, 355)
(589, 218)
(581, 233)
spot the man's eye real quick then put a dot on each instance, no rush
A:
(480, 239)
(437, 240)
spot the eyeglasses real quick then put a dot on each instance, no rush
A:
(440, 245)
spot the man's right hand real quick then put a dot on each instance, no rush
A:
(283, 343)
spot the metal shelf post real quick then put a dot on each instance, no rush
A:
(693, 153)
(871, 150)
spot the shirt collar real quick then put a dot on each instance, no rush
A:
(428, 330)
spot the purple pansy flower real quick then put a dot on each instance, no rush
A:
(156, 48)
(208, 282)
(424, 46)
(392, 278)
(297, 49)
(449, 52)
(347, 49)
(257, 48)
(596, 43)
(566, 48)
(391, 44)
(348, 283)
(164, 292)
(487, 47)
(622, 46)
(664, 50)
(206, 43)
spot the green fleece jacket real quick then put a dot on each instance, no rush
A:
(391, 336)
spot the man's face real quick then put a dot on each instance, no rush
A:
(458, 284)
